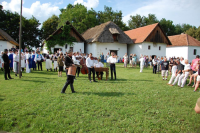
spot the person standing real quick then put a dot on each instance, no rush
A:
(102, 58)
(16, 63)
(30, 60)
(90, 66)
(130, 60)
(55, 63)
(125, 60)
(134, 60)
(48, 62)
(78, 69)
(112, 60)
(33, 60)
(142, 60)
(39, 59)
(164, 67)
(5, 65)
(154, 64)
(10, 56)
(70, 78)
(147, 61)
(1, 60)
(23, 64)
(28, 70)
(60, 64)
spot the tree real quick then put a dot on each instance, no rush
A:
(31, 35)
(135, 21)
(78, 15)
(167, 26)
(198, 33)
(151, 19)
(49, 26)
(109, 15)
(192, 32)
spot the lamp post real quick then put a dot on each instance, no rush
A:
(20, 40)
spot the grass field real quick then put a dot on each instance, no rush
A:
(136, 102)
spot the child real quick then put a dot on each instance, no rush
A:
(174, 68)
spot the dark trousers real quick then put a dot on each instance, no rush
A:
(39, 63)
(154, 69)
(99, 73)
(78, 71)
(70, 81)
(7, 72)
(89, 73)
(112, 69)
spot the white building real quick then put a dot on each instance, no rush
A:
(75, 47)
(184, 46)
(107, 37)
(148, 40)
(6, 41)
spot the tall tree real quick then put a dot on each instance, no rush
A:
(31, 35)
(49, 26)
(136, 21)
(150, 19)
(109, 15)
(192, 32)
(167, 26)
(78, 16)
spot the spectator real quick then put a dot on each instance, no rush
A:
(125, 60)
(174, 68)
(164, 67)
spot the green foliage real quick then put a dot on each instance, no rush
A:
(61, 39)
(136, 102)
(167, 26)
(31, 35)
(49, 26)
(194, 32)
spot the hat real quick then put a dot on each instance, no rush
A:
(69, 51)
(5, 50)
(10, 50)
(26, 50)
(29, 51)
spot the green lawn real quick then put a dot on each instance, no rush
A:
(136, 102)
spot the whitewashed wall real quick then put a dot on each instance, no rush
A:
(187, 52)
(76, 47)
(142, 48)
(177, 52)
(5, 45)
(97, 48)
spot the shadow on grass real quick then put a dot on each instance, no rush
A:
(36, 81)
(1, 99)
(144, 80)
(117, 94)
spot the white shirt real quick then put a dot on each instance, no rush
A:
(38, 57)
(89, 62)
(15, 58)
(107, 56)
(125, 58)
(99, 64)
(112, 60)
(28, 56)
(174, 68)
(141, 61)
(154, 61)
(187, 67)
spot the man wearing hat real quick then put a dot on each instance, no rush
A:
(6, 62)
(70, 78)
(10, 56)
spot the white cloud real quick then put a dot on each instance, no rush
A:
(179, 11)
(89, 4)
(41, 11)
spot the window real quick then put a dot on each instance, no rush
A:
(159, 47)
(65, 46)
(149, 47)
(115, 37)
(195, 52)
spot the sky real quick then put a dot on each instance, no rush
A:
(179, 11)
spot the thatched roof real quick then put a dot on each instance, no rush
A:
(7, 37)
(104, 33)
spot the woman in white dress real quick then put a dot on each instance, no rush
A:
(125, 60)
(23, 61)
(48, 62)
(1, 60)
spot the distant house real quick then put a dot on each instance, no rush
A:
(107, 37)
(184, 46)
(148, 40)
(79, 44)
(6, 41)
